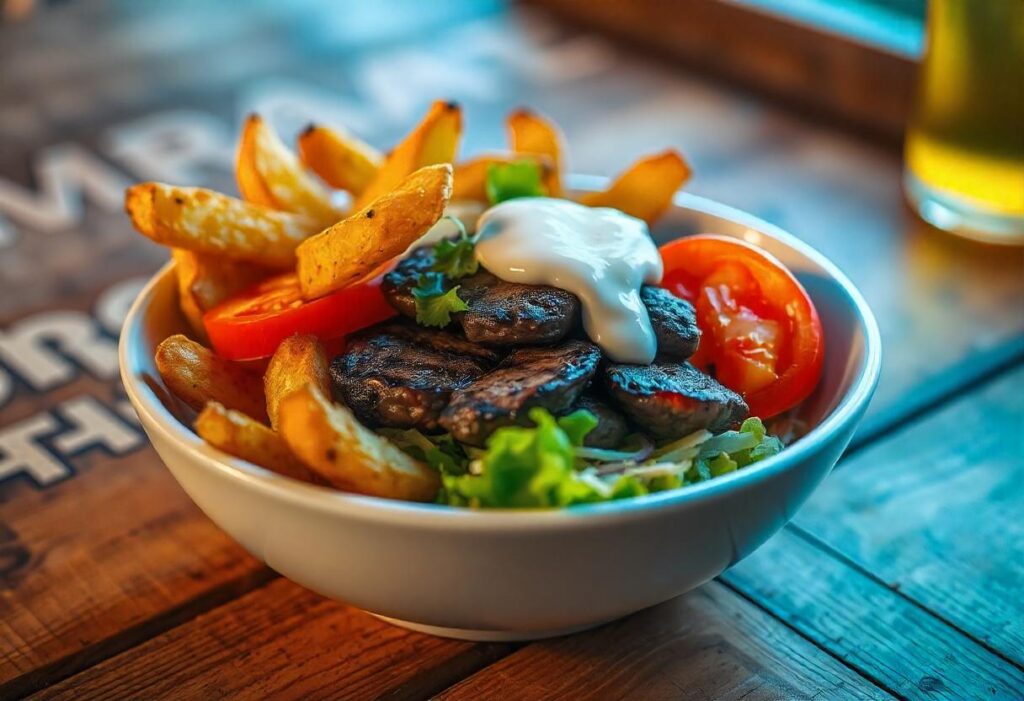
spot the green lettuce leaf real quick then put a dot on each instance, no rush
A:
(506, 181)
(434, 306)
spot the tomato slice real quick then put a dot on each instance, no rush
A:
(253, 323)
(760, 331)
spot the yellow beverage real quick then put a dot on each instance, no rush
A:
(965, 141)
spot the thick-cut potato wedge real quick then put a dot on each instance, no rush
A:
(332, 443)
(646, 188)
(434, 140)
(340, 159)
(531, 133)
(196, 375)
(470, 177)
(299, 361)
(204, 281)
(248, 439)
(205, 221)
(355, 247)
(269, 174)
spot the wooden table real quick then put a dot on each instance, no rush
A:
(902, 577)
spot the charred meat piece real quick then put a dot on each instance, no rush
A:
(401, 375)
(500, 313)
(674, 321)
(552, 378)
(611, 426)
(670, 400)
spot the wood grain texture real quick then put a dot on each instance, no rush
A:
(868, 625)
(706, 644)
(281, 642)
(111, 555)
(937, 512)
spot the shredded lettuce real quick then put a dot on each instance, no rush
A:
(541, 466)
(434, 306)
(506, 181)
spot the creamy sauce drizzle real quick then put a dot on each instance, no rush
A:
(600, 255)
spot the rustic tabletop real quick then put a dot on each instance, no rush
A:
(902, 577)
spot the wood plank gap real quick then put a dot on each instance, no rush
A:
(938, 391)
(101, 650)
(820, 544)
(863, 674)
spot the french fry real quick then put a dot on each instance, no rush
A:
(268, 173)
(355, 247)
(646, 188)
(196, 375)
(248, 439)
(205, 221)
(470, 177)
(332, 443)
(531, 133)
(300, 360)
(204, 281)
(341, 160)
(434, 140)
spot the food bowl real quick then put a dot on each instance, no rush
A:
(519, 575)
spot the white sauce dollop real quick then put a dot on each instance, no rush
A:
(599, 254)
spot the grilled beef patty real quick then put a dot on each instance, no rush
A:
(401, 375)
(670, 400)
(552, 378)
(611, 426)
(674, 321)
(500, 313)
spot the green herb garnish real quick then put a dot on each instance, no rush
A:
(434, 305)
(456, 258)
(506, 181)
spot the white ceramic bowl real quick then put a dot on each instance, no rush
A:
(508, 575)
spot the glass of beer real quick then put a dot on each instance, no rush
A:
(965, 141)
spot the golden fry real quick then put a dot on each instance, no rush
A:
(269, 174)
(470, 177)
(434, 140)
(205, 221)
(204, 281)
(196, 375)
(355, 247)
(299, 361)
(646, 188)
(341, 160)
(332, 443)
(248, 439)
(531, 133)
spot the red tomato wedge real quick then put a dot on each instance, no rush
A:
(760, 331)
(253, 323)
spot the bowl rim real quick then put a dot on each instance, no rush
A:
(156, 416)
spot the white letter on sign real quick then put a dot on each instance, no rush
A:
(19, 452)
(25, 348)
(93, 425)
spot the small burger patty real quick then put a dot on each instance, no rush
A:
(401, 375)
(552, 378)
(669, 400)
(500, 313)
(611, 426)
(674, 321)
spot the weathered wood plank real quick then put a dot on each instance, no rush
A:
(868, 625)
(937, 512)
(706, 644)
(281, 642)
